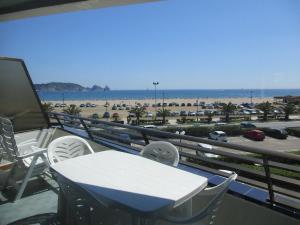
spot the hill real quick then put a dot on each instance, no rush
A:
(61, 86)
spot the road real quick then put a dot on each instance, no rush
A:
(278, 124)
(271, 124)
(290, 144)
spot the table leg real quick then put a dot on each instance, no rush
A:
(61, 207)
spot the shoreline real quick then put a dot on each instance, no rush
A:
(236, 100)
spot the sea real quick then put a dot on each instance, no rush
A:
(167, 94)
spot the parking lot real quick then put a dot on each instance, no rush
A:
(290, 144)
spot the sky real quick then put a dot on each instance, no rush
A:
(182, 44)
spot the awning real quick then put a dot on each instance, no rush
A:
(18, 98)
(17, 9)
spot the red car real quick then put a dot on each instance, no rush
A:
(256, 135)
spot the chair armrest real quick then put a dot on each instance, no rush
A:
(30, 140)
(37, 151)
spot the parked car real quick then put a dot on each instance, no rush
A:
(106, 115)
(276, 133)
(57, 105)
(245, 112)
(256, 135)
(149, 114)
(199, 113)
(115, 115)
(93, 105)
(182, 104)
(189, 104)
(191, 113)
(218, 136)
(195, 104)
(183, 113)
(150, 126)
(114, 107)
(220, 124)
(175, 113)
(207, 112)
(131, 115)
(247, 125)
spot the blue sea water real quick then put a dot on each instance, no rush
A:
(150, 94)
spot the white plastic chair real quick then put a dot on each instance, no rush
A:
(208, 212)
(161, 151)
(29, 158)
(68, 147)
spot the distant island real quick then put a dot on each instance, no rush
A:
(60, 86)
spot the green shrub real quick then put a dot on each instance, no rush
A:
(201, 131)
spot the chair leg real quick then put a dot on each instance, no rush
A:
(45, 160)
(26, 178)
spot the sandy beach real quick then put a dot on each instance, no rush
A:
(100, 109)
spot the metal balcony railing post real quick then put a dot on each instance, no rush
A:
(269, 179)
(58, 121)
(145, 138)
(86, 129)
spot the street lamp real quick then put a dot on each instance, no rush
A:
(197, 113)
(155, 84)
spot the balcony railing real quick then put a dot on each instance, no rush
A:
(277, 172)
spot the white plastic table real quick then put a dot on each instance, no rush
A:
(142, 186)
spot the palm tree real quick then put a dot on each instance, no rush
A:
(139, 112)
(289, 109)
(164, 113)
(72, 110)
(227, 109)
(47, 107)
(266, 107)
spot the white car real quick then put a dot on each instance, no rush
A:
(200, 113)
(218, 136)
(150, 126)
(190, 113)
(149, 114)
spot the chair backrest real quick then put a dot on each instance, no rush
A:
(161, 151)
(67, 147)
(7, 133)
(208, 211)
